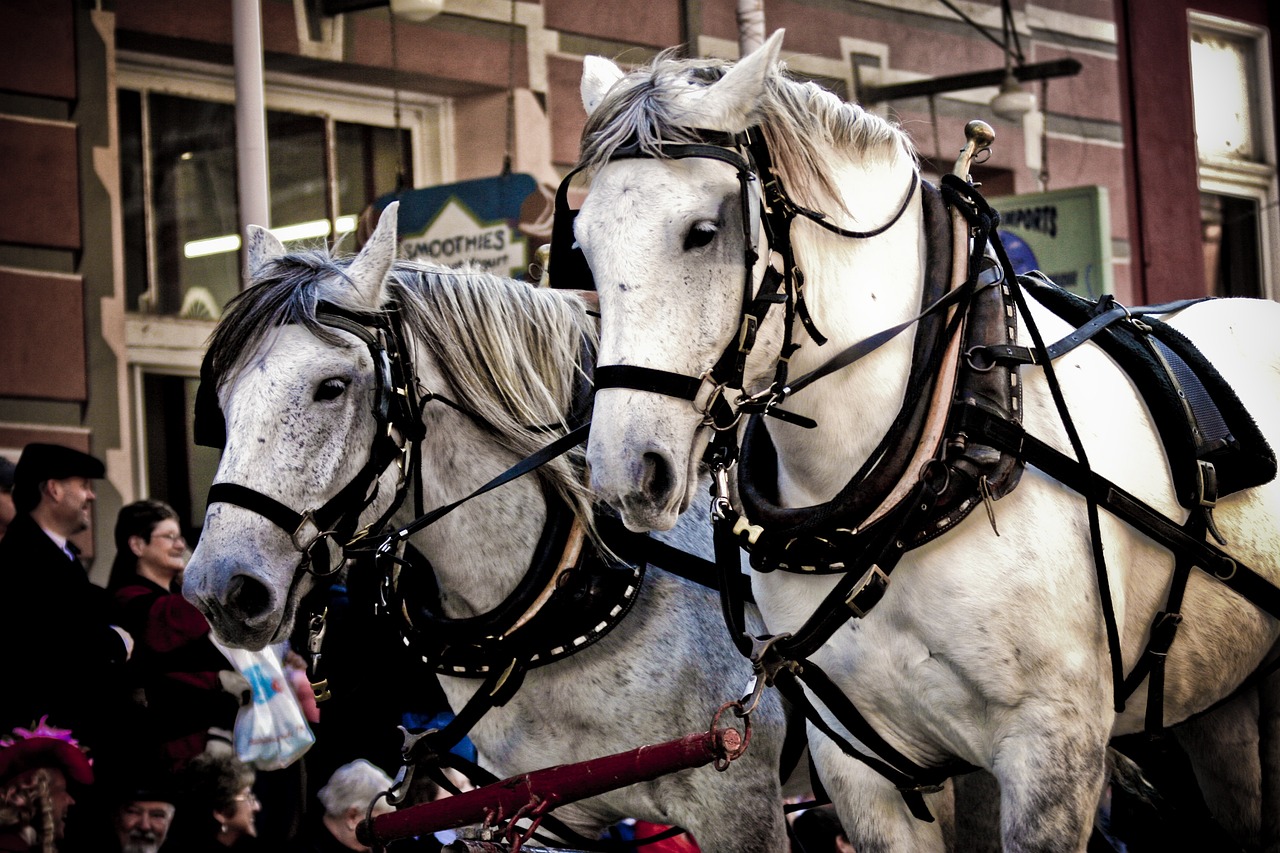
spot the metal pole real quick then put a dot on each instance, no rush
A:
(750, 14)
(251, 118)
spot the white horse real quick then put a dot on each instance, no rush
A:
(986, 648)
(502, 361)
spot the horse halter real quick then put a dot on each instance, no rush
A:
(397, 411)
(764, 203)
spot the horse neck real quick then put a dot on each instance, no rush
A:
(854, 288)
(481, 550)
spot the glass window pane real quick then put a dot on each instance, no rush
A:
(299, 183)
(178, 471)
(132, 199)
(194, 187)
(1229, 227)
(368, 161)
(1223, 71)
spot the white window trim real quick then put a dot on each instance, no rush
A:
(1243, 179)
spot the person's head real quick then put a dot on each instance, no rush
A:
(142, 821)
(7, 510)
(149, 542)
(219, 789)
(36, 768)
(54, 485)
(346, 797)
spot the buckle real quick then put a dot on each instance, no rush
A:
(872, 585)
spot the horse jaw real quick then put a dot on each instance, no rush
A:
(368, 271)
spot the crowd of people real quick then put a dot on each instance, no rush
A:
(118, 708)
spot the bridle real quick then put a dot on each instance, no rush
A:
(397, 412)
(764, 203)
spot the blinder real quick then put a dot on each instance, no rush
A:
(568, 265)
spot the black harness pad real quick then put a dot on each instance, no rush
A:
(1229, 438)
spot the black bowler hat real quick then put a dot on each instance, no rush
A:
(40, 462)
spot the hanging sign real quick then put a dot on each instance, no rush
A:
(1066, 234)
(474, 222)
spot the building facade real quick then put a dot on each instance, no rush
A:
(117, 125)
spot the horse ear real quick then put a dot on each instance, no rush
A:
(729, 103)
(598, 76)
(369, 269)
(263, 246)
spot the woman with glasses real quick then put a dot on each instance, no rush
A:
(178, 670)
(219, 809)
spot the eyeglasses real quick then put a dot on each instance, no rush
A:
(250, 798)
(171, 537)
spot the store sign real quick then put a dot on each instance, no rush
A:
(475, 222)
(1066, 234)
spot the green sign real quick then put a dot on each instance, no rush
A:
(1066, 234)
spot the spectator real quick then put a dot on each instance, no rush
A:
(141, 820)
(219, 810)
(346, 799)
(175, 663)
(50, 606)
(36, 768)
(6, 495)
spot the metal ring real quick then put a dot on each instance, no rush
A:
(1229, 575)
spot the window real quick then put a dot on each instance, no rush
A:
(332, 148)
(1237, 155)
(330, 153)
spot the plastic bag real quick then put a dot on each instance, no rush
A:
(271, 732)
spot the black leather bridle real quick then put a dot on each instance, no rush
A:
(397, 411)
(763, 203)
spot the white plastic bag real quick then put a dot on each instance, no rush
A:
(271, 731)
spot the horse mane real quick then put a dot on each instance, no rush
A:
(516, 356)
(801, 122)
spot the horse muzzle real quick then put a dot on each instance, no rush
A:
(243, 609)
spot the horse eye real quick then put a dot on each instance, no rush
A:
(330, 389)
(700, 235)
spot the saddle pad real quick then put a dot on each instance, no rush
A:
(1229, 437)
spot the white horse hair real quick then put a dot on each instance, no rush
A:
(510, 355)
(987, 648)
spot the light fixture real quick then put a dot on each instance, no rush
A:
(1012, 102)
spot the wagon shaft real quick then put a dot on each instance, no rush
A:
(565, 783)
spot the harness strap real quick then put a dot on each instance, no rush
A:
(1210, 559)
(644, 548)
(559, 447)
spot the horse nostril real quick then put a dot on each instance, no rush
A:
(658, 476)
(247, 599)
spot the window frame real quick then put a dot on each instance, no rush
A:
(169, 345)
(427, 118)
(1255, 180)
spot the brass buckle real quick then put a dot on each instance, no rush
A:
(874, 573)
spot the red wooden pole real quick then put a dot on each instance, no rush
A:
(565, 783)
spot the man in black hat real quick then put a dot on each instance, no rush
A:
(61, 657)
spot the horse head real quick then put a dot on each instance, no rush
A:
(672, 231)
(300, 397)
